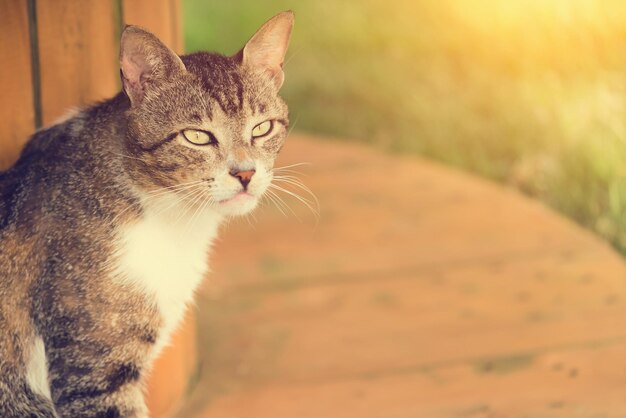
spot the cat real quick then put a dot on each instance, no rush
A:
(107, 218)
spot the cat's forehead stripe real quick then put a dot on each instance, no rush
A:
(220, 78)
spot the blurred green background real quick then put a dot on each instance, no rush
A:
(530, 93)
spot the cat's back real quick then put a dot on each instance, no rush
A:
(25, 192)
(56, 193)
(62, 169)
(27, 186)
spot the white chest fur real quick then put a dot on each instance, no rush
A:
(167, 259)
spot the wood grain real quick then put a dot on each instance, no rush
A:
(161, 17)
(169, 379)
(17, 117)
(78, 54)
(78, 48)
(177, 26)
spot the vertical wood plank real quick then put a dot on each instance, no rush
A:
(17, 116)
(169, 379)
(78, 53)
(161, 17)
(78, 46)
(177, 26)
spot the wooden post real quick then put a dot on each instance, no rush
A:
(78, 54)
(161, 17)
(17, 110)
(60, 54)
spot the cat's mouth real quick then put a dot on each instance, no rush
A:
(241, 196)
(238, 204)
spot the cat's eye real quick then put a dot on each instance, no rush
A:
(199, 137)
(262, 129)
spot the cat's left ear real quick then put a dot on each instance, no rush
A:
(145, 62)
(266, 50)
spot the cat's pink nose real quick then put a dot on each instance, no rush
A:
(243, 176)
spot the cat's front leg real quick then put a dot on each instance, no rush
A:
(98, 358)
(91, 378)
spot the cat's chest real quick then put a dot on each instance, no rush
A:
(167, 262)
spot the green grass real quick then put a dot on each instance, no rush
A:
(529, 93)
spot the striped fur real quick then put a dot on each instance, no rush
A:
(107, 217)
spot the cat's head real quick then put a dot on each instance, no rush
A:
(205, 128)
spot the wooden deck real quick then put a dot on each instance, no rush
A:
(422, 292)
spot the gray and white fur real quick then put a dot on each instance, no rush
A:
(107, 218)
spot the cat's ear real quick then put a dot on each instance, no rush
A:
(144, 62)
(266, 50)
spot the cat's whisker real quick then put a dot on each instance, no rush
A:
(140, 204)
(162, 197)
(249, 222)
(291, 178)
(152, 195)
(253, 216)
(173, 188)
(291, 166)
(297, 183)
(188, 202)
(293, 125)
(201, 204)
(176, 187)
(180, 194)
(208, 201)
(194, 202)
(294, 181)
(284, 205)
(287, 177)
(174, 194)
(185, 196)
(288, 171)
(293, 54)
(301, 199)
(271, 196)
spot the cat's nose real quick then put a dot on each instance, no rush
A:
(243, 176)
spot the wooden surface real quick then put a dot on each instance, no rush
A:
(162, 17)
(421, 293)
(78, 54)
(17, 117)
(170, 378)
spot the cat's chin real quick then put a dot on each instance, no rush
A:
(240, 204)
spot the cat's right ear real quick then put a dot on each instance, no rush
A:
(144, 62)
(266, 50)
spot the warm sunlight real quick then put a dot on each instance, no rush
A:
(568, 34)
(530, 92)
(289, 208)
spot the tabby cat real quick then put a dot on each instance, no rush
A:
(107, 218)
